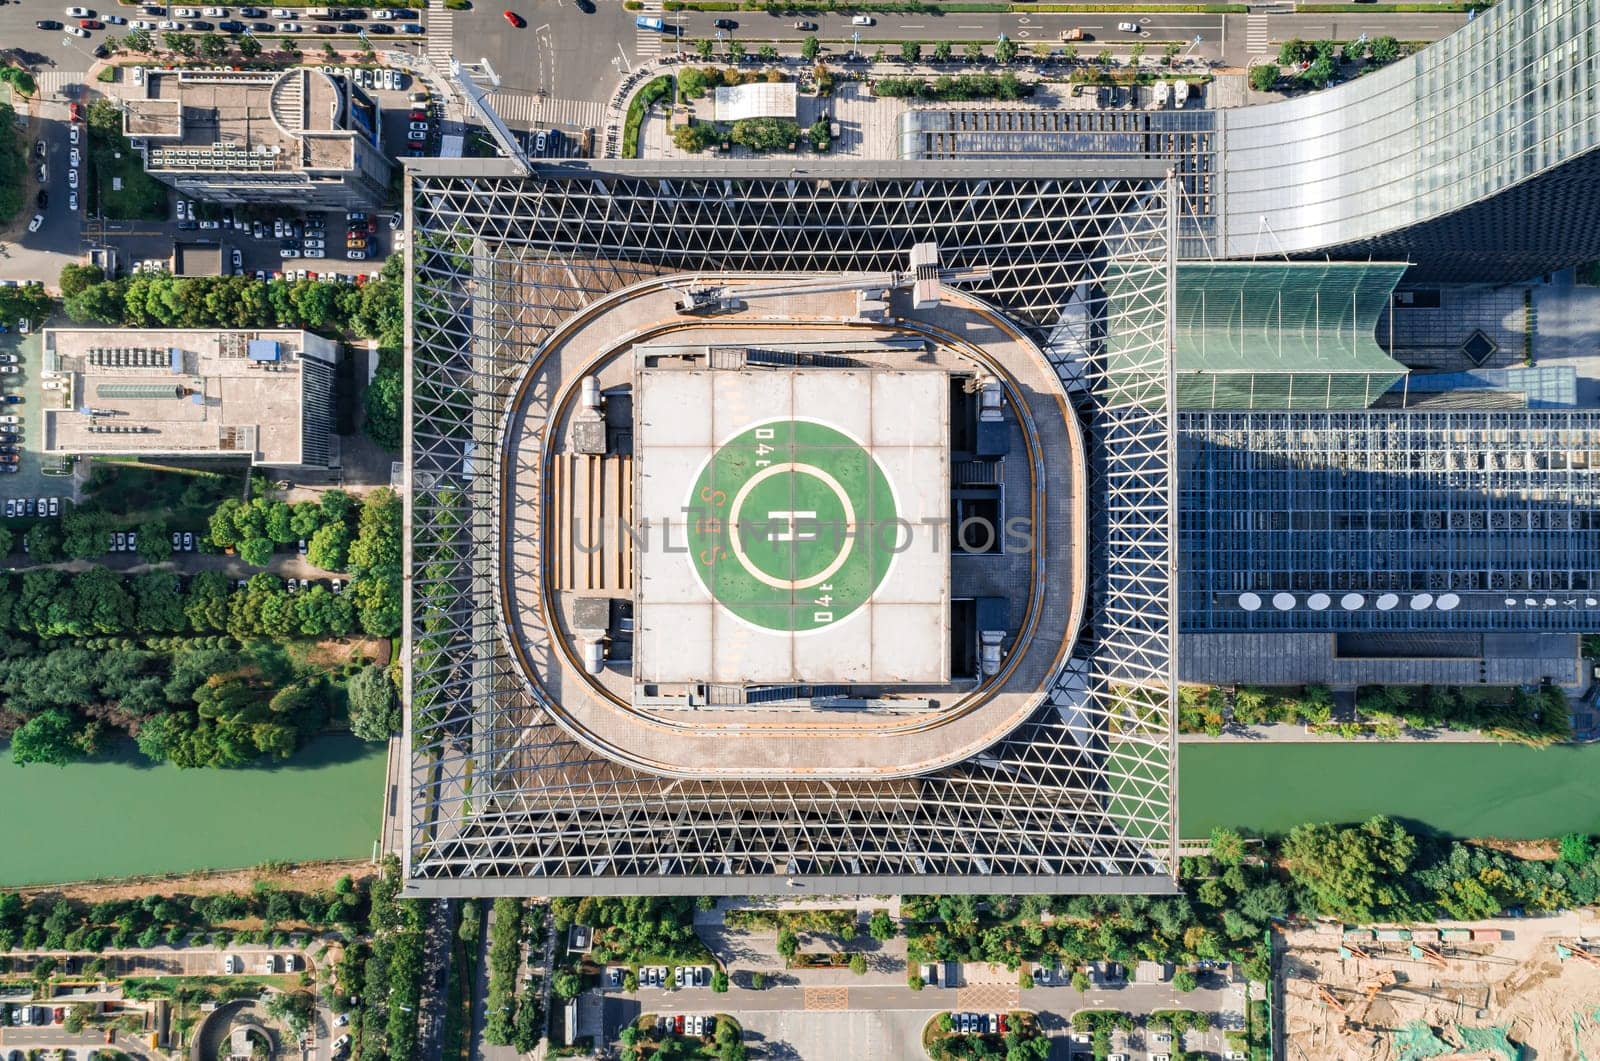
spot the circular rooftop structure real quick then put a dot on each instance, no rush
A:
(760, 526)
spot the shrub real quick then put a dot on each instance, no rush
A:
(1264, 77)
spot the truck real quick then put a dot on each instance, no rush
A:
(650, 22)
(322, 14)
(1073, 34)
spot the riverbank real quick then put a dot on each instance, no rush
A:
(123, 816)
(1452, 788)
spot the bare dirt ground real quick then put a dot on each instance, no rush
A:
(1550, 1007)
(308, 876)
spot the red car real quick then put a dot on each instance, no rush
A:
(1002, 1024)
(677, 1024)
(61, 1014)
(419, 116)
(91, 23)
(515, 19)
(74, 112)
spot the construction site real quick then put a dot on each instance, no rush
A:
(1501, 990)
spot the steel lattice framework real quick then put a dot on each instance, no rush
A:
(504, 801)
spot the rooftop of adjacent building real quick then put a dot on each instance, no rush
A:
(197, 391)
(242, 119)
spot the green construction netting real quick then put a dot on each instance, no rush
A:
(1491, 1039)
(1416, 1041)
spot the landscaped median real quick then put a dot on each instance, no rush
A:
(652, 93)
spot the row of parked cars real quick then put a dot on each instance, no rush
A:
(979, 1023)
(34, 1016)
(657, 976)
(295, 585)
(686, 1024)
(32, 506)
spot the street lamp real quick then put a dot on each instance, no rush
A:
(1192, 45)
(855, 45)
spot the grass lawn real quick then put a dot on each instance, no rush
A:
(116, 174)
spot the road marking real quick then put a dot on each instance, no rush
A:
(969, 27)
(542, 28)
(910, 26)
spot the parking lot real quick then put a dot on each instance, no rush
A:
(30, 480)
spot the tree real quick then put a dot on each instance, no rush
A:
(706, 50)
(1576, 849)
(1293, 52)
(1080, 981)
(1384, 50)
(1005, 50)
(1264, 77)
(75, 278)
(249, 46)
(137, 41)
(911, 51)
(1354, 872)
(47, 737)
(566, 984)
(257, 552)
(1227, 846)
(735, 50)
(788, 943)
(858, 964)
(758, 980)
(767, 53)
(155, 541)
(1320, 72)
(1184, 982)
(1136, 54)
(329, 547)
(972, 51)
(374, 704)
(1169, 54)
(942, 51)
(213, 46)
(810, 48)
(765, 134)
(178, 42)
(288, 46)
(881, 925)
(694, 136)
(719, 981)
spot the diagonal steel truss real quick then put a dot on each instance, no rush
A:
(503, 801)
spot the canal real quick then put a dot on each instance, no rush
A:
(1504, 790)
(126, 817)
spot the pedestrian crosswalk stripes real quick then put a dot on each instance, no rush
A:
(1257, 40)
(647, 42)
(441, 34)
(51, 82)
(522, 109)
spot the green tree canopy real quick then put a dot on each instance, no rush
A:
(1353, 872)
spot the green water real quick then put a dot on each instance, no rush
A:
(1454, 789)
(126, 817)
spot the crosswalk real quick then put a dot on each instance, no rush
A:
(441, 34)
(1257, 41)
(647, 43)
(52, 82)
(522, 108)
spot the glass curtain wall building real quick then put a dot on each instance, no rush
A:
(1473, 159)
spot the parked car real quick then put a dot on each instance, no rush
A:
(288, 27)
(46, 23)
(188, 542)
(79, 12)
(515, 19)
(417, 27)
(78, 31)
(34, 225)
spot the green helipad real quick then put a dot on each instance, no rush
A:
(808, 506)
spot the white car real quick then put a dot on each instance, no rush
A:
(169, 24)
(216, 12)
(282, 12)
(1128, 27)
(75, 158)
(38, 219)
(185, 12)
(72, 178)
(72, 201)
(288, 252)
(142, 23)
(77, 31)
(383, 14)
(420, 127)
(10, 419)
(79, 12)
(138, 75)
(72, 137)
(238, 258)
(288, 27)
(356, 256)
(863, 20)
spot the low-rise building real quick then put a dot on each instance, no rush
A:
(265, 394)
(299, 136)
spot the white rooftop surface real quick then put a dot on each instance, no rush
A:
(761, 99)
(899, 634)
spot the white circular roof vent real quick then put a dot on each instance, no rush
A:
(1351, 601)
(1421, 601)
(1590, 602)
(1387, 601)
(1511, 602)
(1448, 602)
(1283, 601)
(1549, 602)
(1318, 601)
(1249, 601)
